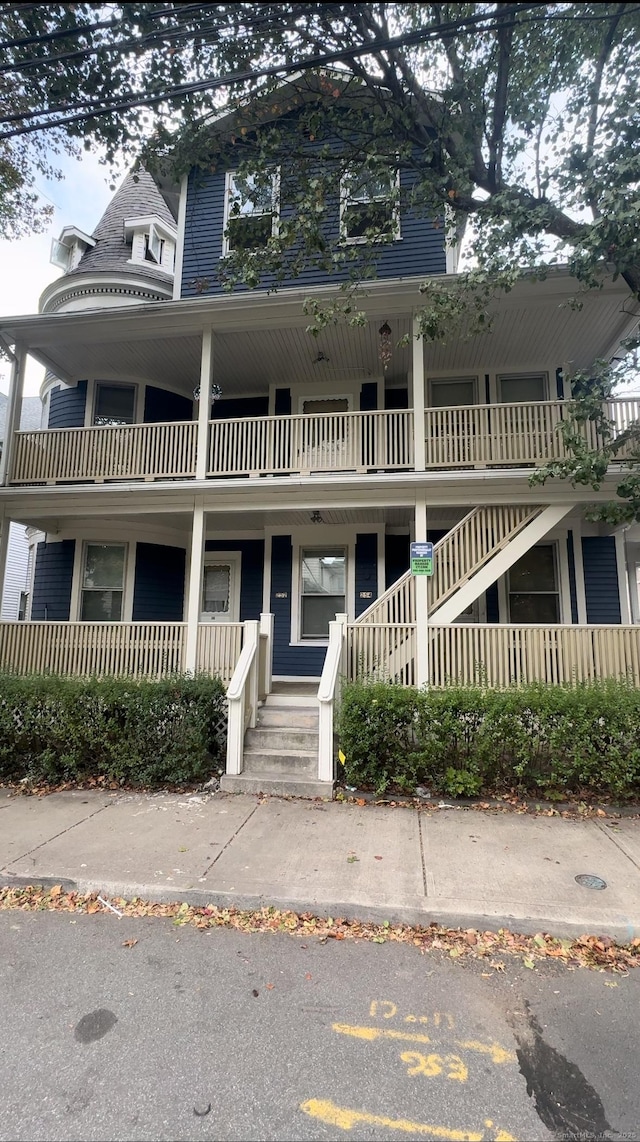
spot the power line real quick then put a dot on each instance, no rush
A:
(99, 108)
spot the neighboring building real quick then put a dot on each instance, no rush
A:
(206, 463)
(15, 593)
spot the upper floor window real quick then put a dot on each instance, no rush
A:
(369, 206)
(153, 246)
(114, 404)
(251, 211)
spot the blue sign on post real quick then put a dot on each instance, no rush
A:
(421, 559)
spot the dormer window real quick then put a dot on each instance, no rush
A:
(369, 206)
(67, 250)
(152, 240)
(251, 211)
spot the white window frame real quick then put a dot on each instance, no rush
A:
(229, 188)
(234, 559)
(311, 545)
(345, 200)
(128, 570)
(92, 404)
(532, 374)
(451, 381)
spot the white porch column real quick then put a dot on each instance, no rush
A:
(204, 404)
(194, 588)
(14, 408)
(422, 598)
(417, 371)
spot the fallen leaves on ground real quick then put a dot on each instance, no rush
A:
(598, 952)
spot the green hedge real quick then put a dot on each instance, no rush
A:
(548, 740)
(56, 729)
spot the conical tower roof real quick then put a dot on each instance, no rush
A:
(137, 197)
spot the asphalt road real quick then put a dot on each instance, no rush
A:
(220, 1035)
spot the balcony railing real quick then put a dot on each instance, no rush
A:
(114, 452)
(134, 650)
(346, 441)
(473, 436)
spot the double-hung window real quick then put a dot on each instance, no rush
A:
(322, 593)
(251, 211)
(102, 582)
(369, 206)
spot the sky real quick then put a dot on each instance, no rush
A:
(78, 200)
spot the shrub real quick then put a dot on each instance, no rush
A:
(539, 738)
(55, 729)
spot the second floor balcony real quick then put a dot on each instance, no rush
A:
(511, 435)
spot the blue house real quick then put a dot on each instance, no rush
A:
(217, 490)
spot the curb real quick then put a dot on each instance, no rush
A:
(622, 929)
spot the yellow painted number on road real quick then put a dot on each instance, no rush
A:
(326, 1111)
(431, 1065)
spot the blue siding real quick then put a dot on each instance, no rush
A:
(420, 251)
(366, 570)
(163, 407)
(396, 558)
(240, 406)
(52, 581)
(601, 579)
(67, 406)
(158, 594)
(573, 593)
(369, 397)
(493, 604)
(252, 573)
(287, 659)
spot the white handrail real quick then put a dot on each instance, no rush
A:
(327, 696)
(242, 697)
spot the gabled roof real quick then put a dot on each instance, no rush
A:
(138, 196)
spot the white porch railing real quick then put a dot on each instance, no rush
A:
(114, 452)
(507, 655)
(328, 694)
(346, 441)
(137, 650)
(219, 646)
(495, 655)
(242, 697)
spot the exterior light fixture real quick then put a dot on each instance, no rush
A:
(316, 517)
(321, 359)
(385, 350)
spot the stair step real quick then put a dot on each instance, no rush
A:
(308, 700)
(281, 737)
(284, 762)
(289, 717)
(276, 784)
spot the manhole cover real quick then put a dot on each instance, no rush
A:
(587, 880)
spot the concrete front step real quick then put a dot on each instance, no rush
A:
(277, 784)
(291, 717)
(281, 738)
(290, 700)
(291, 761)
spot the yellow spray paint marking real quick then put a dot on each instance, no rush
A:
(431, 1065)
(497, 1053)
(372, 1033)
(386, 1009)
(326, 1111)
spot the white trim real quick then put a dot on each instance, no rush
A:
(128, 578)
(182, 224)
(144, 221)
(229, 178)
(139, 388)
(395, 234)
(581, 594)
(623, 583)
(327, 535)
(234, 559)
(456, 380)
(266, 574)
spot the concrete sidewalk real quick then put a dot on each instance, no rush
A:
(458, 867)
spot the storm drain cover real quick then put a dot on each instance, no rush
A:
(587, 880)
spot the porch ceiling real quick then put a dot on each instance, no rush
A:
(261, 340)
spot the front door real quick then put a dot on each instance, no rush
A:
(220, 590)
